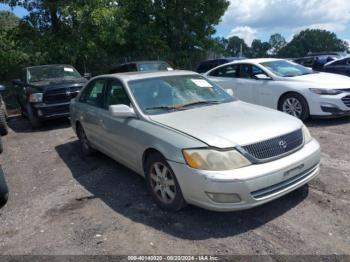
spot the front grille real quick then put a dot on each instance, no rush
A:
(346, 100)
(53, 110)
(275, 147)
(267, 191)
(63, 95)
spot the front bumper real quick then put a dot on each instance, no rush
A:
(51, 111)
(255, 184)
(330, 105)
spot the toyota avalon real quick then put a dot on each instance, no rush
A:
(192, 141)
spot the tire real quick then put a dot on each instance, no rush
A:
(160, 184)
(4, 191)
(3, 199)
(294, 104)
(1, 147)
(32, 117)
(85, 146)
(3, 123)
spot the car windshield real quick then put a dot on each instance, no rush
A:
(42, 73)
(173, 93)
(154, 67)
(287, 69)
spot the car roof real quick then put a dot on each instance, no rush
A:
(127, 76)
(142, 61)
(49, 65)
(257, 60)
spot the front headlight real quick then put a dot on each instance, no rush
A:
(307, 135)
(36, 97)
(320, 91)
(209, 159)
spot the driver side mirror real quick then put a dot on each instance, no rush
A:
(87, 76)
(123, 111)
(262, 77)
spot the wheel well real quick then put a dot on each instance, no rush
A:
(146, 154)
(287, 93)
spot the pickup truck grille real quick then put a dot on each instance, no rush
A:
(275, 147)
(63, 95)
(346, 100)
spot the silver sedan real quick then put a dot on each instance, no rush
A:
(193, 142)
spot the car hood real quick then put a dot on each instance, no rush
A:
(58, 83)
(230, 124)
(324, 80)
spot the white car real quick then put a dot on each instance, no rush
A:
(286, 86)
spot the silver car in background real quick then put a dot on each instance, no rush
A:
(193, 142)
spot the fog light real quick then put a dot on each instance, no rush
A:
(39, 112)
(224, 197)
(329, 105)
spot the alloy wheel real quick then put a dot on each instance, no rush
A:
(163, 183)
(83, 139)
(293, 107)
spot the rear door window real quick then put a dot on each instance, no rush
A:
(226, 71)
(93, 93)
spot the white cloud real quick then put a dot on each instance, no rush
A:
(247, 33)
(269, 16)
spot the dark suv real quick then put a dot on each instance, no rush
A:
(205, 66)
(46, 91)
(141, 66)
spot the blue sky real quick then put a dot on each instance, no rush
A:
(250, 19)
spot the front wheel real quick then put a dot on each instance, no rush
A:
(32, 117)
(3, 123)
(162, 184)
(295, 105)
(86, 149)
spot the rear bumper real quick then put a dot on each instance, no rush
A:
(254, 185)
(51, 111)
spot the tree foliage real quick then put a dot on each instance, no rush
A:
(312, 40)
(259, 48)
(276, 42)
(93, 34)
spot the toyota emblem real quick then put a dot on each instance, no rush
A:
(282, 144)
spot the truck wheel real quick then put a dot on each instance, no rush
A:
(3, 199)
(33, 119)
(1, 147)
(3, 123)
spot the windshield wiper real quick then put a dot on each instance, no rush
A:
(163, 107)
(204, 102)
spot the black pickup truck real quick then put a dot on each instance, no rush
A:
(46, 91)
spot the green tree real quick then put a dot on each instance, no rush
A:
(259, 49)
(94, 33)
(237, 47)
(277, 42)
(313, 40)
(11, 55)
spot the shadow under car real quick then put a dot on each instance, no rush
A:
(125, 192)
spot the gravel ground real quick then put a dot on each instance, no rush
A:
(62, 203)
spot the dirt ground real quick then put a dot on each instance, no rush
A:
(62, 203)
